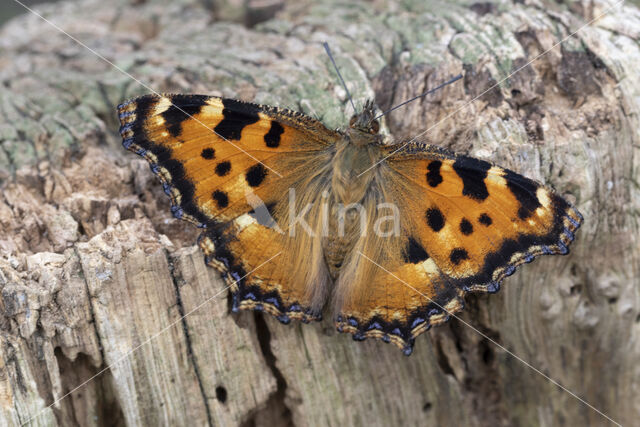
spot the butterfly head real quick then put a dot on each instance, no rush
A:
(365, 120)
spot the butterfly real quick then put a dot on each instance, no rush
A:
(387, 238)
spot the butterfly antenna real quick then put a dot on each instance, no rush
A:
(458, 77)
(326, 47)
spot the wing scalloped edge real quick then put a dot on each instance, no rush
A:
(437, 313)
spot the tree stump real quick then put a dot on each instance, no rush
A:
(96, 277)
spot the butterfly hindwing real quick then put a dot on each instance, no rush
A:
(227, 166)
(465, 225)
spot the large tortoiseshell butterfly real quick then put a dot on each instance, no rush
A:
(389, 239)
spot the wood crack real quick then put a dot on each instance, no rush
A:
(91, 310)
(187, 336)
(277, 400)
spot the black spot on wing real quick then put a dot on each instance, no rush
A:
(466, 227)
(208, 153)
(473, 173)
(223, 168)
(272, 138)
(525, 192)
(236, 116)
(221, 198)
(182, 108)
(485, 220)
(458, 255)
(433, 175)
(256, 174)
(435, 219)
(414, 252)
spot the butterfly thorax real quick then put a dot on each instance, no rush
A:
(351, 180)
(355, 154)
(352, 173)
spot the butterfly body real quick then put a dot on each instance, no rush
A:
(388, 239)
(350, 178)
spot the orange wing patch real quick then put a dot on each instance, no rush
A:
(213, 155)
(466, 225)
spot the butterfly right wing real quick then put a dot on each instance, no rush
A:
(228, 166)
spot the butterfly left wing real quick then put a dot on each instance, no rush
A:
(465, 225)
(228, 166)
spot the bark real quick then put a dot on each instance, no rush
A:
(92, 265)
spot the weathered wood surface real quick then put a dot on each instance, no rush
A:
(93, 266)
